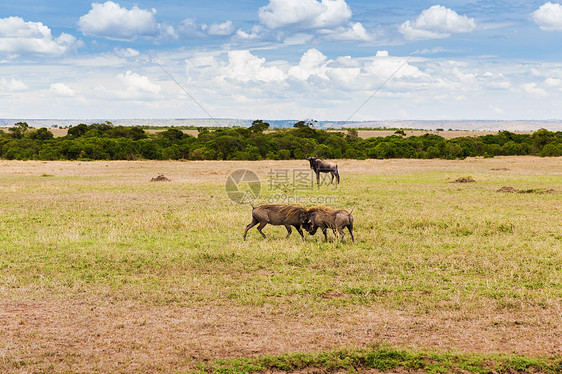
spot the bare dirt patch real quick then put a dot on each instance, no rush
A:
(464, 180)
(160, 178)
(507, 189)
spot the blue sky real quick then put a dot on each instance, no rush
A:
(281, 59)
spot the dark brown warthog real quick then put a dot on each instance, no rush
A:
(286, 215)
(328, 218)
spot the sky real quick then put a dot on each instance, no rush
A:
(358, 60)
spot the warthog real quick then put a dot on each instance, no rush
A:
(327, 218)
(321, 166)
(286, 215)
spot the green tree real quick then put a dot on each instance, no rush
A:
(284, 154)
(173, 135)
(352, 134)
(77, 131)
(452, 150)
(41, 134)
(259, 126)
(19, 130)
(553, 149)
(541, 138)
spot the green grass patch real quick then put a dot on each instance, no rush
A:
(384, 358)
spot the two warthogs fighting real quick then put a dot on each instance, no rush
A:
(310, 219)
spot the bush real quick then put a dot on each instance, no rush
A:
(105, 141)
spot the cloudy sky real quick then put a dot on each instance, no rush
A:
(281, 59)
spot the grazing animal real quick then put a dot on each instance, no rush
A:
(285, 215)
(321, 166)
(327, 218)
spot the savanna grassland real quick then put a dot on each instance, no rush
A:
(102, 270)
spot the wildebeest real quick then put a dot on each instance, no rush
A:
(327, 218)
(286, 215)
(321, 166)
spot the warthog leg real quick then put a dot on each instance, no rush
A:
(325, 232)
(342, 234)
(350, 228)
(289, 230)
(260, 227)
(250, 225)
(299, 230)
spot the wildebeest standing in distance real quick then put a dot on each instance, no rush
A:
(286, 215)
(321, 166)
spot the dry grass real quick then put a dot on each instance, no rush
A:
(103, 271)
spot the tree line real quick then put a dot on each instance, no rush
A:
(104, 141)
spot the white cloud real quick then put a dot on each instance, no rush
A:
(110, 21)
(61, 89)
(548, 17)
(247, 83)
(138, 84)
(355, 32)
(436, 22)
(298, 39)
(314, 72)
(12, 85)
(383, 67)
(532, 89)
(189, 28)
(225, 28)
(257, 32)
(305, 14)
(245, 67)
(312, 63)
(20, 37)
(324, 19)
(126, 53)
(553, 82)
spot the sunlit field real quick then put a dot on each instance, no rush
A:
(102, 270)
